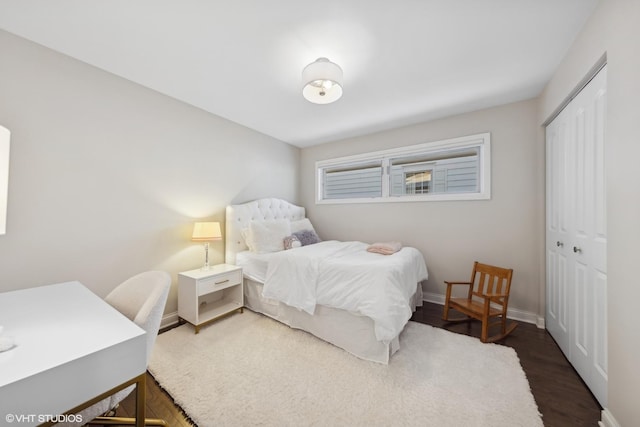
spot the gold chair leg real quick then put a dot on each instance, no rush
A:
(127, 421)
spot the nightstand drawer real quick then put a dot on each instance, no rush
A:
(218, 282)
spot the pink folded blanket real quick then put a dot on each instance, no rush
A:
(385, 248)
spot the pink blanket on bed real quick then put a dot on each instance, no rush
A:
(385, 248)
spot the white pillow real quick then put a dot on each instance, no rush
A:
(268, 236)
(248, 238)
(301, 225)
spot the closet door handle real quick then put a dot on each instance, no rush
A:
(559, 244)
(576, 249)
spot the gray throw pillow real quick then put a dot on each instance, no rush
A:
(307, 237)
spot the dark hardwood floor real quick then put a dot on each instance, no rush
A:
(562, 397)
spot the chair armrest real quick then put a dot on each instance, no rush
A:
(447, 296)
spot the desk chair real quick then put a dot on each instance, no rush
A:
(142, 299)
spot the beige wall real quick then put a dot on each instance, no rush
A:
(452, 234)
(614, 29)
(106, 176)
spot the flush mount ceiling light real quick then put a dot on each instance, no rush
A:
(322, 80)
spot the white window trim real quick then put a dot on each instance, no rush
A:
(482, 140)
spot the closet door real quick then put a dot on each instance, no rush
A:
(589, 243)
(576, 234)
(559, 165)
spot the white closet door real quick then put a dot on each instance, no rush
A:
(558, 314)
(576, 234)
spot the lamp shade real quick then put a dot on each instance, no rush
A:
(322, 81)
(206, 231)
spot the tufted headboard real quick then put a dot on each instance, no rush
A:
(239, 216)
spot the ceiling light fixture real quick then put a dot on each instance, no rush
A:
(322, 80)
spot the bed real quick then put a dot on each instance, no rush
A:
(356, 300)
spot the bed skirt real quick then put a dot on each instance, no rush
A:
(351, 332)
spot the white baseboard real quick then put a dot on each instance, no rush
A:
(433, 298)
(169, 320)
(515, 314)
(607, 419)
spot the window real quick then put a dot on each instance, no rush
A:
(416, 182)
(454, 169)
(353, 181)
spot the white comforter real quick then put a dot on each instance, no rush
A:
(344, 275)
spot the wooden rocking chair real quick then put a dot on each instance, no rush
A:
(487, 299)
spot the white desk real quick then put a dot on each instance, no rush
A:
(71, 347)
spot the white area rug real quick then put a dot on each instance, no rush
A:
(248, 370)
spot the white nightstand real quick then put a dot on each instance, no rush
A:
(205, 295)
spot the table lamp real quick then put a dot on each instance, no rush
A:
(206, 232)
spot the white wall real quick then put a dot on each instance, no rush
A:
(452, 234)
(614, 29)
(107, 176)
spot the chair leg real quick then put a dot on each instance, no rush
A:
(445, 313)
(485, 330)
(127, 421)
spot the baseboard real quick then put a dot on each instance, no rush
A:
(169, 320)
(607, 419)
(433, 298)
(515, 314)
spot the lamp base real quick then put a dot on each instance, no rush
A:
(206, 265)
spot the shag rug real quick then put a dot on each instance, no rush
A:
(248, 370)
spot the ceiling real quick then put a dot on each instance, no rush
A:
(404, 61)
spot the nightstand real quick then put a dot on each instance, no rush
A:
(205, 295)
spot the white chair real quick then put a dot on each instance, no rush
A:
(142, 299)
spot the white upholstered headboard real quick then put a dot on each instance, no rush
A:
(239, 216)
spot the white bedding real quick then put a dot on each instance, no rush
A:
(254, 266)
(344, 275)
